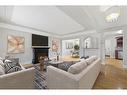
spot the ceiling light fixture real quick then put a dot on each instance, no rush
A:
(112, 17)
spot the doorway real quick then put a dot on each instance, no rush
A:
(114, 49)
(69, 46)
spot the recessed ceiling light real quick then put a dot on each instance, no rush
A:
(112, 17)
(120, 31)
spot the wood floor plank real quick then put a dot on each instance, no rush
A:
(113, 76)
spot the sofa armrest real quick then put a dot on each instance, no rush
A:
(23, 79)
(60, 79)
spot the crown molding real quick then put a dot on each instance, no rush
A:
(78, 34)
(33, 31)
(25, 29)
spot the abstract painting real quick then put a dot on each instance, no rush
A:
(15, 44)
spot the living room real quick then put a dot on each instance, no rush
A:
(53, 39)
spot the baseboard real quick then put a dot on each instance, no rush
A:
(124, 66)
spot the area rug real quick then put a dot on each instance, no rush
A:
(40, 78)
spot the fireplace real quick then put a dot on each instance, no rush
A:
(40, 47)
(39, 52)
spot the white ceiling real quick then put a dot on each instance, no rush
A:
(50, 19)
(61, 20)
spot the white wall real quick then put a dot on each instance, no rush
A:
(81, 37)
(66, 51)
(25, 57)
(125, 47)
(92, 51)
(107, 47)
(110, 45)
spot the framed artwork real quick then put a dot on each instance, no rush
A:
(55, 45)
(16, 44)
(69, 45)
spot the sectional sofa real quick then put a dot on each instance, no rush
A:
(23, 79)
(81, 75)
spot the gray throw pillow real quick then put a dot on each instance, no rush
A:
(11, 66)
(65, 65)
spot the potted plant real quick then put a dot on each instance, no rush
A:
(75, 54)
(76, 47)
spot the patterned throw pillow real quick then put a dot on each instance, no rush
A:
(11, 66)
(65, 65)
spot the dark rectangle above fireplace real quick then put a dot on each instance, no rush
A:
(39, 40)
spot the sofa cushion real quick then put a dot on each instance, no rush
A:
(11, 66)
(2, 71)
(91, 60)
(1, 63)
(77, 68)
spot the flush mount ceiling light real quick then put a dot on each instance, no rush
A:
(112, 17)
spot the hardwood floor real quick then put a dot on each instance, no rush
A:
(112, 77)
(114, 62)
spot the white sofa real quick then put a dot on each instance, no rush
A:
(79, 76)
(23, 79)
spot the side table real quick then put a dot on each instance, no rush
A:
(27, 65)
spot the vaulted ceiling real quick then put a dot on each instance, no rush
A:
(62, 20)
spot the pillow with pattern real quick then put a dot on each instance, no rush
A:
(11, 66)
(65, 65)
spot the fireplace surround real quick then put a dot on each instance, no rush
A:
(39, 52)
(40, 47)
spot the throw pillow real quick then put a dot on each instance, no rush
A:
(11, 66)
(2, 71)
(91, 60)
(65, 65)
(78, 67)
